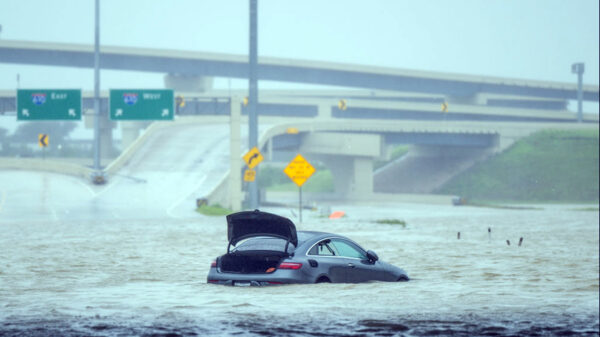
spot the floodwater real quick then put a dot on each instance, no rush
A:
(110, 277)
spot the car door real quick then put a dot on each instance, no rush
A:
(357, 267)
(328, 261)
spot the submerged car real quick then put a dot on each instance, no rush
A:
(266, 249)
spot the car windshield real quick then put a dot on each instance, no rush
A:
(264, 243)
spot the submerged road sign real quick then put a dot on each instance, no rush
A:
(141, 104)
(48, 104)
(299, 170)
(253, 157)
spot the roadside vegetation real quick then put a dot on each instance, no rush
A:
(548, 166)
(213, 210)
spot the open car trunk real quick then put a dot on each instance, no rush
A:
(255, 262)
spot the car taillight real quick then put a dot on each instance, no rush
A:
(290, 265)
(213, 264)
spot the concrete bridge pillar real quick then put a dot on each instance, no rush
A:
(130, 131)
(349, 157)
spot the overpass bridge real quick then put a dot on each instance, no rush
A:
(386, 107)
(190, 70)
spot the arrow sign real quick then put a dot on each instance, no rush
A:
(444, 107)
(253, 157)
(43, 140)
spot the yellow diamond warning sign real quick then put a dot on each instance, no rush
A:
(253, 157)
(299, 170)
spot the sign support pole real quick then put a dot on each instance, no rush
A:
(253, 96)
(300, 203)
(97, 90)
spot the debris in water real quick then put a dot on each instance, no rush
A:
(337, 215)
(458, 236)
(508, 242)
(520, 241)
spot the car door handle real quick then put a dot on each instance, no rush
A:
(351, 265)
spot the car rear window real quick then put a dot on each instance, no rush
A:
(264, 243)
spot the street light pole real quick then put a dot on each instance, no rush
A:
(579, 68)
(97, 174)
(253, 96)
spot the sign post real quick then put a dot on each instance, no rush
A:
(48, 104)
(299, 170)
(141, 104)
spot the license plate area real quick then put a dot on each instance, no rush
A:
(241, 283)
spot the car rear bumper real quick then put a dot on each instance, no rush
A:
(276, 278)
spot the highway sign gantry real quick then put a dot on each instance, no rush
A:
(253, 157)
(299, 170)
(48, 104)
(141, 104)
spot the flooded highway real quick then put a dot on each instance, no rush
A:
(146, 275)
(131, 258)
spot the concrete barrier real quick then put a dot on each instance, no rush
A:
(47, 165)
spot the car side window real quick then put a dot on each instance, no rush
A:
(347, 249)
(322, 248)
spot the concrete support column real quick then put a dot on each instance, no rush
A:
(235, 178)
(362, 186)
(352, 176)
(130, 131)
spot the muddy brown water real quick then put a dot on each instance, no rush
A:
(148, 277)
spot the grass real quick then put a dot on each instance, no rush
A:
(214, 210)
(392, 222)
(548, 166)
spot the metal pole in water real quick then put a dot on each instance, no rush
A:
(520, 241)
(97, 89)
(508, 242)
(458, 236)
(489, 234)
(253, 96)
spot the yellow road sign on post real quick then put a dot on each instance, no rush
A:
(342, 104)
(245, 101)
(43, 140)
(299, 170)
(180, 101)
(444, 107)
(249, 175)
(253, 157)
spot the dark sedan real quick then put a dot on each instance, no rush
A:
(266, 249)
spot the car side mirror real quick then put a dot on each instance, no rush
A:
(372, 256)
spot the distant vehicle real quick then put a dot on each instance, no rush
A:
(265, 249)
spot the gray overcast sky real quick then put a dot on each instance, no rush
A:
(509, 38)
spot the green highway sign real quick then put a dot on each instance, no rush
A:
(141, 104)
(48, 104)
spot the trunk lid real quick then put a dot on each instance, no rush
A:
(247, 224)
